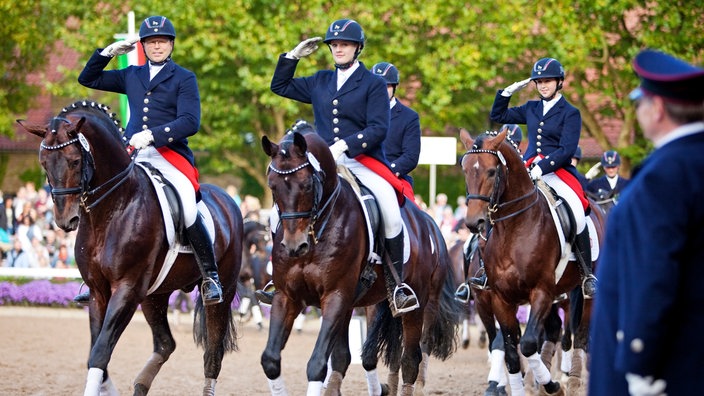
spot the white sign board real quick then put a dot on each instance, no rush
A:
(435, 150)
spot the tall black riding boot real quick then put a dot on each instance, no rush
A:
(479, 280)
(584, 248)
(197, 234)
(401, 297)
(266, 294)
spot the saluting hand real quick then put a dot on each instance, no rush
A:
(120, 47)
(305, 48)
(515, 87)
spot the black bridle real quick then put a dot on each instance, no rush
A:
(87, 171)
(493, 199)
(314, 213)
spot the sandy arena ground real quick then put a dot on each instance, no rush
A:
(44, 352)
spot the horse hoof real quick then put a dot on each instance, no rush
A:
(465, 344)
(482, 340)
(384, 390)
(555, 389)
(493, 389)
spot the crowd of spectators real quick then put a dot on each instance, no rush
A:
(29, 238)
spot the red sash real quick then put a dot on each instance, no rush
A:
(182, 165)
(570, 180)
(402, 186)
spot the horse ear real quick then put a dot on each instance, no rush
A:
(79, 124)
(466, 138)
(269, 147)
(33, 128)
(300, 142)
(502, 135)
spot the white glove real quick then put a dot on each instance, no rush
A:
(593, 171)
(645, 386)
(536, 172)
(120, 47)
(304, 48)
(515, 87)
(142, 139)
(338, 148)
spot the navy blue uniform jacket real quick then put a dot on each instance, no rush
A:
(358, 113)
(648, 316)
(602, 183)
(402, 144)
(554, 135)
(168, 105)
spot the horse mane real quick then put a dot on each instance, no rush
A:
(108, 120)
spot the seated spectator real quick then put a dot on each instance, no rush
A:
(17, 257)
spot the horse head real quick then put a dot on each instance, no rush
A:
(490, 166)
(71, 142)
(301, 176)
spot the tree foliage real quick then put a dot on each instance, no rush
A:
(452, 55)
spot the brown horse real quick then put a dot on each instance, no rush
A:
(320, 253)
(521, 249)
(121, 244)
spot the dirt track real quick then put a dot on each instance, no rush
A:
(44, 352)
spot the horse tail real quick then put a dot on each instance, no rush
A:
(200, 333)
(442, 336)
(385, 336)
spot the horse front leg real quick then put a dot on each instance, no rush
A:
(155, 310)
(511, 332)
(110, 315)
(283, 313)
(541, 306)
(334, 327)
(340, 360)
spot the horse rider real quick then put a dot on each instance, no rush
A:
(554, 128)
(351, 109)
(165, 106)
(514, 134)
(402, 143)
(646, 323)
(611, 181)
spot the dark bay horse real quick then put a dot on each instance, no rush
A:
(121, 244)
(320, 251)
(253, 275)
(521, 250)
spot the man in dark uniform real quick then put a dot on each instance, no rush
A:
(164, 105)
(402, 143)
(611, 182)
(649, 315)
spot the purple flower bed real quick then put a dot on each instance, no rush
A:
(38, 293)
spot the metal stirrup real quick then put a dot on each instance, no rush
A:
(397, 290)
(464, 287)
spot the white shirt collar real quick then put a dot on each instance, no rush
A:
(343, 75)
(549, 104)
(392, 102)
(154, 69)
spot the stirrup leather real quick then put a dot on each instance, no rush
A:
(404, 287)
(462, 289)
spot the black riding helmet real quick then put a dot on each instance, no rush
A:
(157, 26)
(347, 30)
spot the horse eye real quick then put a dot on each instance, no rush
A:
(491, 172)
(74, 164)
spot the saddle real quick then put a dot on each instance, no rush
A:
(172, 198)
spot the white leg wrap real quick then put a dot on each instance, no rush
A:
(329, 374)
(497, 365)
(277, 387)
(298, 323)
(93, 382)
(516, 383)
(540, 371)
(209, 387)
(256, 313)
(244, 305)
(566, 363)
(465, 329)
(315, 388)
(373, 384)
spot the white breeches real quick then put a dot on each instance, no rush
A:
(179, 180)
(570, 197)
(384, 193)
